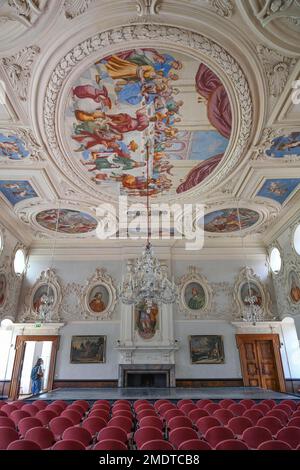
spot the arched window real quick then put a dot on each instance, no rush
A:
(19, 261)
(296, 239)
(275, 260)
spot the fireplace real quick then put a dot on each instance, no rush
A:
(148, 375)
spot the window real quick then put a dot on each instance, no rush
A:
(296, 240)
(275, 260)
(19, 261)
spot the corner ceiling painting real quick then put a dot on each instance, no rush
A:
(285, 145)
(16, 191)
(279, 189)
(126, 98)
(12, 147)
(70, 221)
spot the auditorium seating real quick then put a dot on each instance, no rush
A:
(147, 425)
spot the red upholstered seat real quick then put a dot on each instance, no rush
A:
(202, 403)
(68, 444)
(291, 435)
(218, 434)
(62, 403)
(253, 415)
(284, 407)
(31, 409)
(223, 415)
(2, 413)
(6, 422)
(102, 402)
(207, 422)
(274, 445)
(212, 407)
(291, 403)
(110, 444)
(94, 424)
(137, 403)
(255, 436)
(194, 415)
(28, 423)
(269, 402)
(166, 407)
(188, 407)
(194, 444)
(238, 424)
(172, 413)
(58, 409)
(78, 408)
(158, 403)
(294, 422)
(44, 437)
(231, 444)
(8, 409)
(179, 435)
(23, 444)
(181, 403)
(104, 414)
(112, 432)
(247, 402)
(153, 421)
(17, 415)
(146, 434)
(271, 423)
(72, 415)
(7, 435)
(40, 404)
(226, 402)
(58, 425)
(45, 416)
(180, 422)
(121, 422)
(83, 403)
(157, 444)
(237, 409)
(77, 433)
(280, 414)
(262, 407)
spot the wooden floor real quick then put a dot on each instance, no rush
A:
(174, 393)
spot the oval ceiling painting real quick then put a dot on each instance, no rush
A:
(122, 100)
(230, 220)
(72, 222)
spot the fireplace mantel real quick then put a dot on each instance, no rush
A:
(168, 369)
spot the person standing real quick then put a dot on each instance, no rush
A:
(36, 377)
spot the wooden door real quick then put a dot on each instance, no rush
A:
(261, 361)
(19, 358)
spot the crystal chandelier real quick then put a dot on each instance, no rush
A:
(146, 280)
(252, 311)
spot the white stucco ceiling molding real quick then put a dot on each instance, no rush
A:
(174, 39)
(281, 33)
(22, 20)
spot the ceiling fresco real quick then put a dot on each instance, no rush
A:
(69, 221)
(125, 99)
(285, 145)
(230, 220)
(17, 191)
(12, 147)
(279, 189)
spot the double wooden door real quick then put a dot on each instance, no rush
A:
(261, 361)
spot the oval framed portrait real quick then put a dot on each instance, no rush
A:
(3, 289)
(44, 295)
(194, 296)
(98, 299)
(294, 287)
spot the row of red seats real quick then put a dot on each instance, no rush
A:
(152, 420)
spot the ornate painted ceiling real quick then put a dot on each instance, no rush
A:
(210, 85)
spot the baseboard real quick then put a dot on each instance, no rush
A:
(198, 383)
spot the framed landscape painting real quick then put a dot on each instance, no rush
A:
(206, 349)
(88, 349)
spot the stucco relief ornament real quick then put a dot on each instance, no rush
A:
(18, 68)
(43, 301)
(75, 8)
(274, 9)
(223, 8)
(25, 12)
(277, 68)
(99, 296)
(195, 294)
